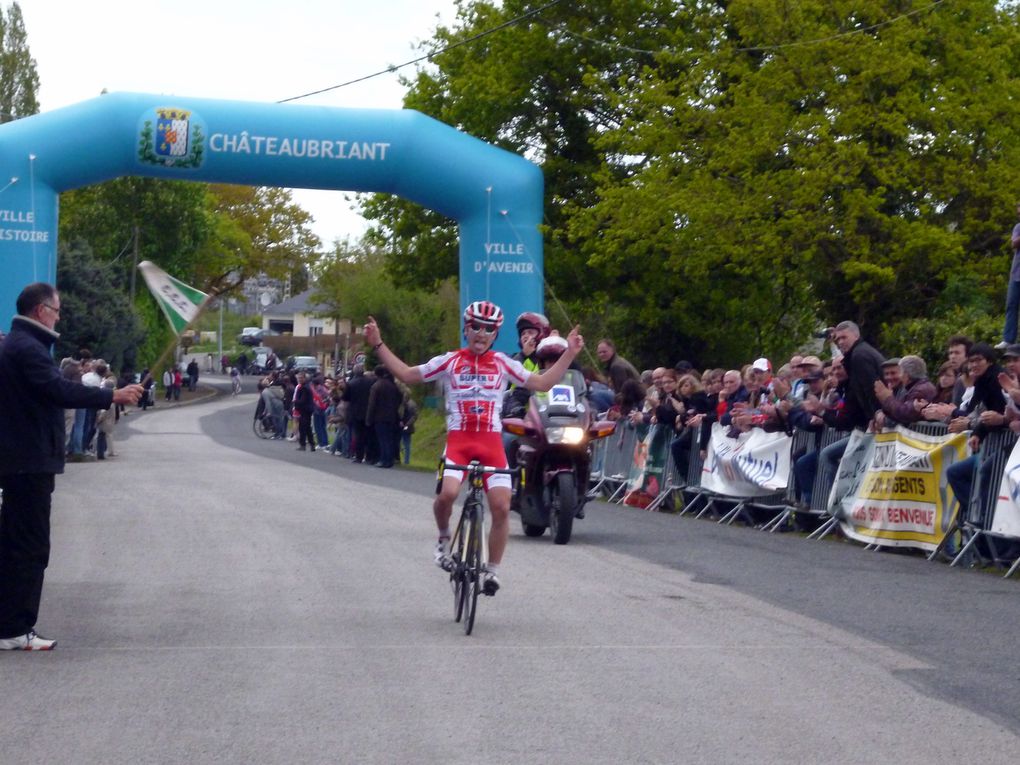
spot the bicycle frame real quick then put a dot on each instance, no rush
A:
(469, 547)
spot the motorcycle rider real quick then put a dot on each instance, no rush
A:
(532, 328)
(547, 353)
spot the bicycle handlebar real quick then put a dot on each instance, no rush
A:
(478, 467)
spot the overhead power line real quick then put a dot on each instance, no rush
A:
(618, 45)
(848, 33)
(428, 56)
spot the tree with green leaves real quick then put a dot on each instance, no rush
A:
(212, 236)
(94, 313)
(258, 229)
(352, 282)
(527, 89)
(724, 176)
(822, 161)
(19, 80)
(173, 221)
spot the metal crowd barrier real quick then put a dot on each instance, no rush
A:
(822, 487)
(741, 506)
(673, 481)
(612, 459)
(976, 523)
(616, 455)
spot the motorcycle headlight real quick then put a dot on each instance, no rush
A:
(565, 435)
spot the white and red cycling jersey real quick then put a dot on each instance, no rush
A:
(474, 386)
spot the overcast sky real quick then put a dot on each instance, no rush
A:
(250, 50)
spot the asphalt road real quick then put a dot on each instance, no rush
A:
(223, 599)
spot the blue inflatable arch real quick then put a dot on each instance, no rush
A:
(495, 196)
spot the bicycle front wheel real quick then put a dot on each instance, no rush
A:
(473, 570)
(458, 570)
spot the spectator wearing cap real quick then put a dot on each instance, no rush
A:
(813, 390)
(1010, 382)
(805, 365)
(764, 367)
(916, 393)
(743, 415)
(892, 377)
(1011, 359)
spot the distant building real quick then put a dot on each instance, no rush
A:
(297, 317)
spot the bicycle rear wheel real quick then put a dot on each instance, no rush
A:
(263, 427)
(473, 569)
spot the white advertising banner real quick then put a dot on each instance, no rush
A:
(754, 464)
(1006, 520)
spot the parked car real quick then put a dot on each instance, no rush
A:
(247, 334)
(308, 364)
(256, 336)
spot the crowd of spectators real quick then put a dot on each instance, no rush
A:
(368, 418)
(89, 433)
(973, 390)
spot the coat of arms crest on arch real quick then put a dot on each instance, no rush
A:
(176, 139)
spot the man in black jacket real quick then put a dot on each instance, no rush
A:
(304, 404)
(359, 387)
(33, 397)
(863, 366)
(383, 415)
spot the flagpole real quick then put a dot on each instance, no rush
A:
(161, 360)
(177, 301)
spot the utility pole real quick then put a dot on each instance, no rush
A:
(134, 270)
(220, 333)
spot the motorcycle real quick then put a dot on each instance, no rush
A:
(553, 452)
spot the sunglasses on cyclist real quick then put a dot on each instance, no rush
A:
(486, 328)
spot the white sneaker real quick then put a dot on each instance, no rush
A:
(490, 583)
(27, 642)
(1001, 346)
(442, 554)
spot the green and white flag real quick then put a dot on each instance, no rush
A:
(179, 302)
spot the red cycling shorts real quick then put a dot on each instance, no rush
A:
(486, 447)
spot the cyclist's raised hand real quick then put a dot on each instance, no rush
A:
(371, 330)
(575, 341)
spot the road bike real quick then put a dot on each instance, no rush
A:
(469, 548)
(263, 424)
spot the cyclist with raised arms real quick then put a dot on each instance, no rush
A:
(474, 379)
